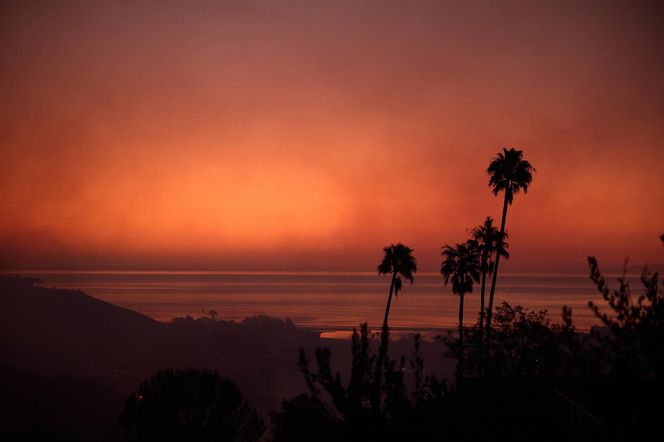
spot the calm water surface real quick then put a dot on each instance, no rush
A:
(321, 300)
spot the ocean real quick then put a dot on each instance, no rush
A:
(326, 301)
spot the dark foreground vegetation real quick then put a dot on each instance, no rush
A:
(543, 381)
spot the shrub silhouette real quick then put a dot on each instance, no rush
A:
(636, 324)
(191, 405)
(525, 344)
(373, 405)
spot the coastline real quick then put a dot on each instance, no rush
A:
(323, 301)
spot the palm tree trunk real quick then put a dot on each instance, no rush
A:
(382, 350)
(460, 366)
(495, 272)
(485, 258)
(389, 299)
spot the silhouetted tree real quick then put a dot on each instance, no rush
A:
(192, 405)
(461, 265)
(487, 237)
(508, 173)
(398, 261)
(636, 324)
(213, 315)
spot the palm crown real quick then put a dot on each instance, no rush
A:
(398, 260)
(488, 241)
(461, 265)
(509, 172)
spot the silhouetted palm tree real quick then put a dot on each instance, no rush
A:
(461, 264)
(508, 173)
(487, 238)
(399, 262)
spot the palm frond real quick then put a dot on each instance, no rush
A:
(510, 173)
(461, 265)
(487, 237)
(398, 259)
(397, 285)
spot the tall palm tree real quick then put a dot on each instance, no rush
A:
(508, 173)
(398, 262)
(461, 264)
(487, 238)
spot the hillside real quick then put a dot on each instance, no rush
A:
(52, 331)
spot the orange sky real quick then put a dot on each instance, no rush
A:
(283, 135)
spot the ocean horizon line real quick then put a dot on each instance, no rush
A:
(34, 271)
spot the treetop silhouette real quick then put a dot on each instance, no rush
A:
(399, 262)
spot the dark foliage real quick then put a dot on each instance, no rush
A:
(525, 344)
(534, 396)
(373, 405)
(461, 265)
(191, 405)
(636, 324)
(398, 259)
(510, 173)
